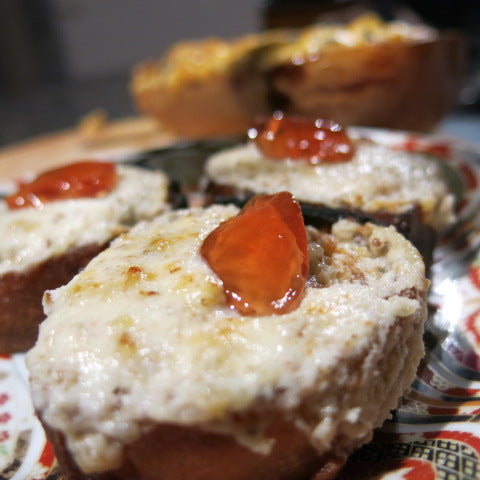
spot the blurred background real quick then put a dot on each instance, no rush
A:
(59, 59)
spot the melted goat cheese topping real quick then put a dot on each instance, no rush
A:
(144, 335)
(30, 236)
(377, 178)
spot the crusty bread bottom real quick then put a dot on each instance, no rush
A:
(171, 452)
(21, 293)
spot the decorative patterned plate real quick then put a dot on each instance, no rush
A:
(435, 432)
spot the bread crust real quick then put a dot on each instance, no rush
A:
(171, 452)
(21, 293)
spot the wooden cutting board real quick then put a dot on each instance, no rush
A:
(113, 140)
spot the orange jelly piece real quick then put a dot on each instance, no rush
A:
(315, 141)
(78, 180)
(261, 255)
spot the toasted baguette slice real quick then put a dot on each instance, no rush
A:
(44, 248)
(163, 380)
(368, 72)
